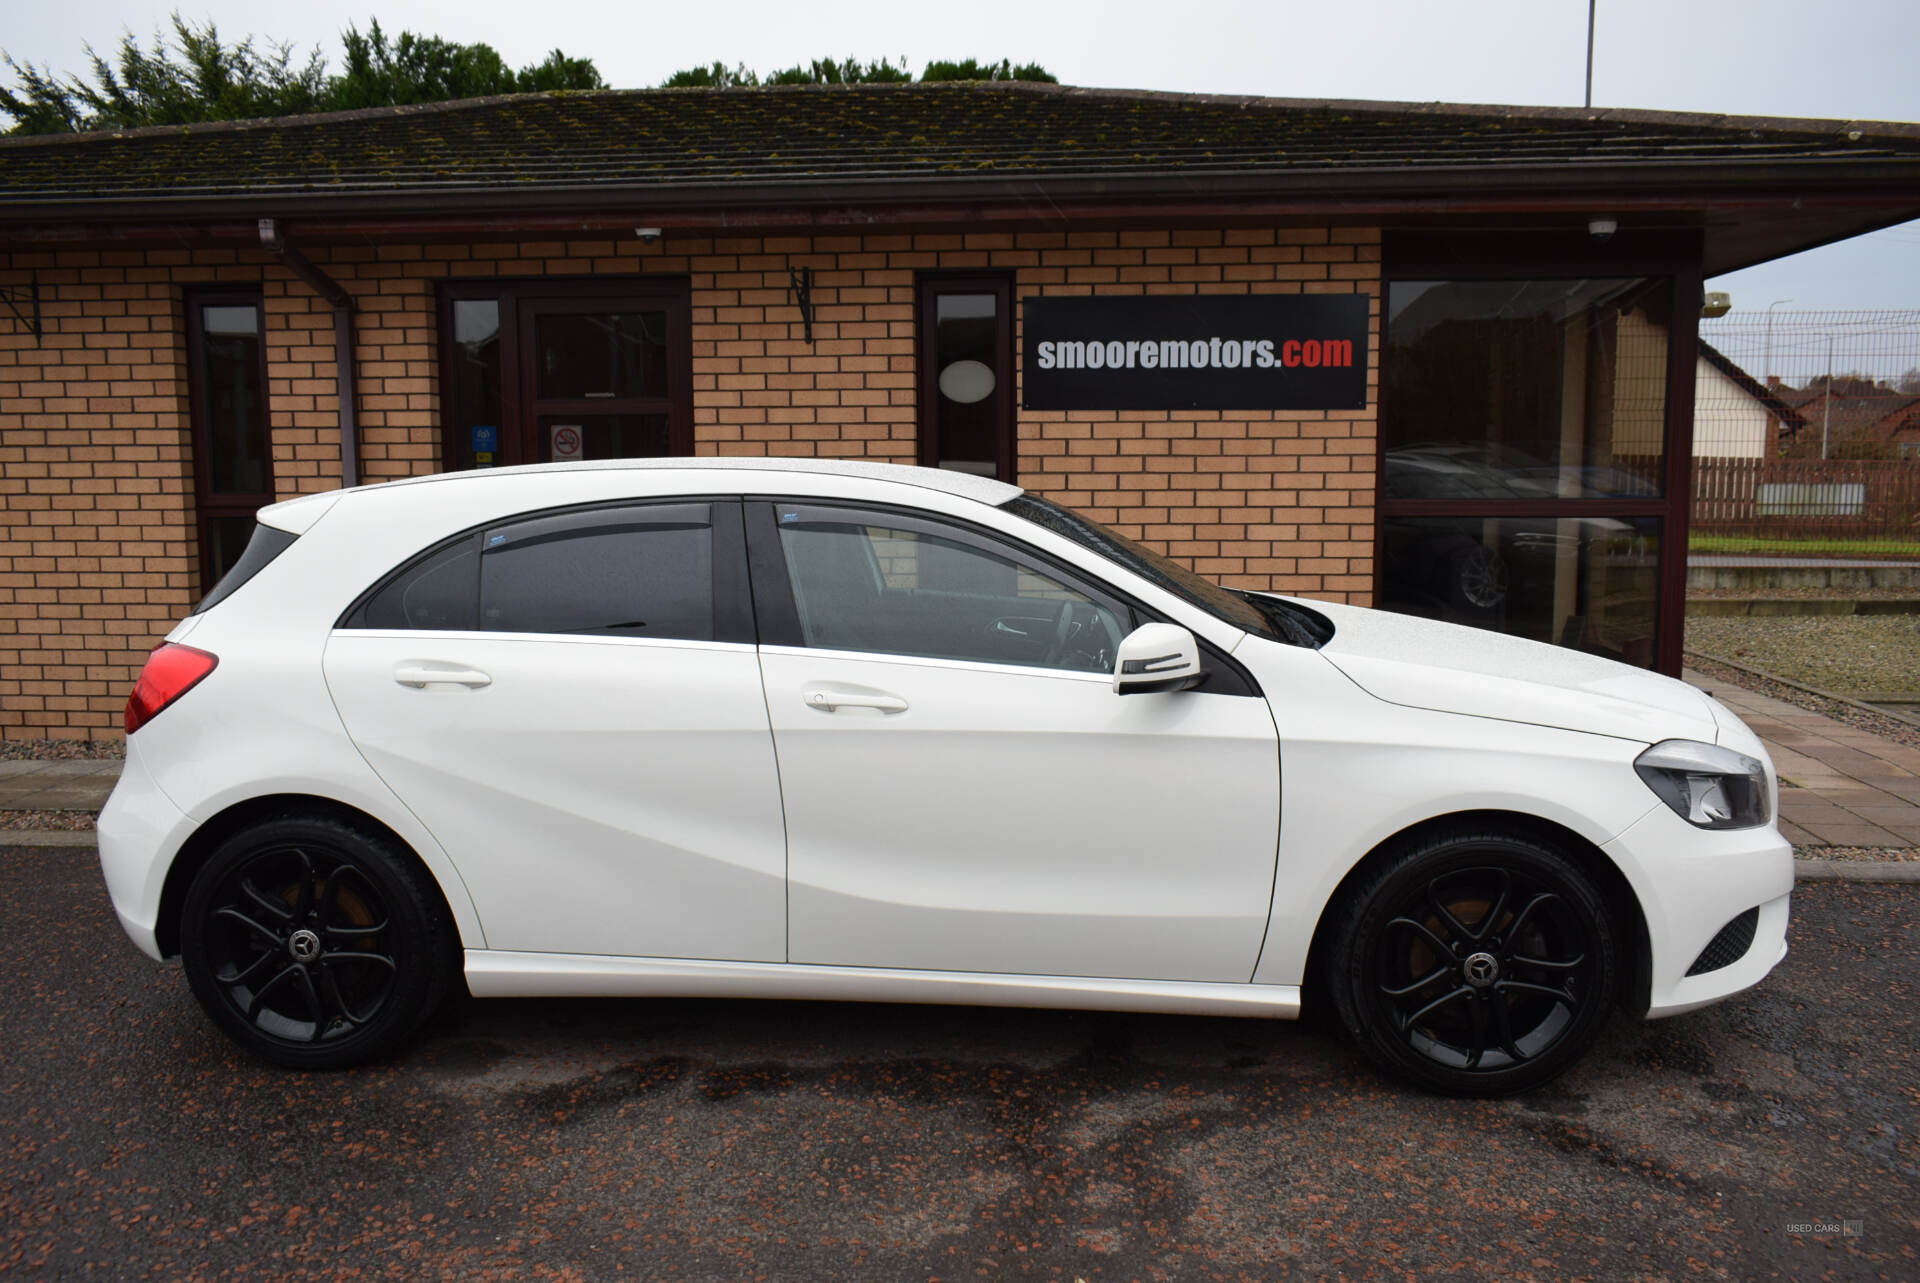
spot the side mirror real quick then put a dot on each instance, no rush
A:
(1157, 657)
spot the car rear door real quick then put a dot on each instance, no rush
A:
(963, 789)
(570, 701)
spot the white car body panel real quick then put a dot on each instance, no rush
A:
(642, 769)
(1397, 722)
(1131, 837)
(1451, 668)
(493, 974)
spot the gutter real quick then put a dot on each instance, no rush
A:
(332, 291)
(1457, 188)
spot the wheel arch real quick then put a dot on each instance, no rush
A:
(199, 848)
(1635, 988)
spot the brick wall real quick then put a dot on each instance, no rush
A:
(97, 552)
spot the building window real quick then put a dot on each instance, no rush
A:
(232, 437)
(965, 358)
(1524, 471)
(557, 370)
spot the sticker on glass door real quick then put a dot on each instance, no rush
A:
(565, 442)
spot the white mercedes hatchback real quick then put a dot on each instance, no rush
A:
(769, 728)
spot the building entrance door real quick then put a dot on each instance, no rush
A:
(556, 371)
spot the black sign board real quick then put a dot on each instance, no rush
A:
(1195, 352)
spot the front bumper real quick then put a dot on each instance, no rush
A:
(1691, 883)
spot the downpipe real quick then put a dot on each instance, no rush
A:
(331, 290)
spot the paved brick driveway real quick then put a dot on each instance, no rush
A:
(1840, 786)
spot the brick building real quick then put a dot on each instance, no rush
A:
(202, 320)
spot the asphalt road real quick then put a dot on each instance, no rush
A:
(788, 1141)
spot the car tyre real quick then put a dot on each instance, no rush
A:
(315, 943)
(1475, 963)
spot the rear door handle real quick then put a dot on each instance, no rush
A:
(828, 701)
(420, 673)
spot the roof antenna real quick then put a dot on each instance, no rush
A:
(1590, 7)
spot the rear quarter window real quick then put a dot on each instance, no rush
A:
(267, 543)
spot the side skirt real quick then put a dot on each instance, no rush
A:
(500, 974)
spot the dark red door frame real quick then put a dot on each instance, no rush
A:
(521, 298)
(207, 505)
(928, 286)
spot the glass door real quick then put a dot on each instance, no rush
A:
(1527, 467)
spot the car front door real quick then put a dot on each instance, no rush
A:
(570, 701)
(964, 791)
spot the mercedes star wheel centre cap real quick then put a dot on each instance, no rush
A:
(1480, 970)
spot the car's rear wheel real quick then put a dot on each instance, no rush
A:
(316, 944)
(1478, 964)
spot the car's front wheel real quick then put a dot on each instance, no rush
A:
(1475, 963)
(316, 944)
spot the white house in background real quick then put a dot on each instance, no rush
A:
(1734, 416)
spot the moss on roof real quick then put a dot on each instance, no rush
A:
(874, 133)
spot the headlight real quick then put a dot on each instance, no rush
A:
(1706, 785)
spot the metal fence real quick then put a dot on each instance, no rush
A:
(1807, 432)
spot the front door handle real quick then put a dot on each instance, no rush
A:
(828, 701)
(420, 674)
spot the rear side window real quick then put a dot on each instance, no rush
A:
(643, 572)
(266, 544)
(437, 592)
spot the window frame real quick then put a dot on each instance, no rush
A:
(519, 298)
(928, 287)
(733, 614)
(1492, 256)
(209, 506)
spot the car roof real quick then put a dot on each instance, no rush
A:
(963, 484)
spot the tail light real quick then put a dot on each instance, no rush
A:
(170, 672)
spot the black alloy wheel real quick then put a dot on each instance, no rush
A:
(1476, 964)
(315, 945)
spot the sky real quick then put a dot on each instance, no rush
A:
(1837, 59)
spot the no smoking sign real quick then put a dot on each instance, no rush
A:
(565, 440)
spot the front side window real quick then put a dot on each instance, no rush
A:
(232, 438)
(644, 572)
(896, 586)
(1240, 611)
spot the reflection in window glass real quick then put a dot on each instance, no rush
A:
(1537, 389)
(903, 592)
(635, 581)
(473, 384)
(233, 403)
(1585, 582)
(435, 593)
(966, 358)
(600, 355)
